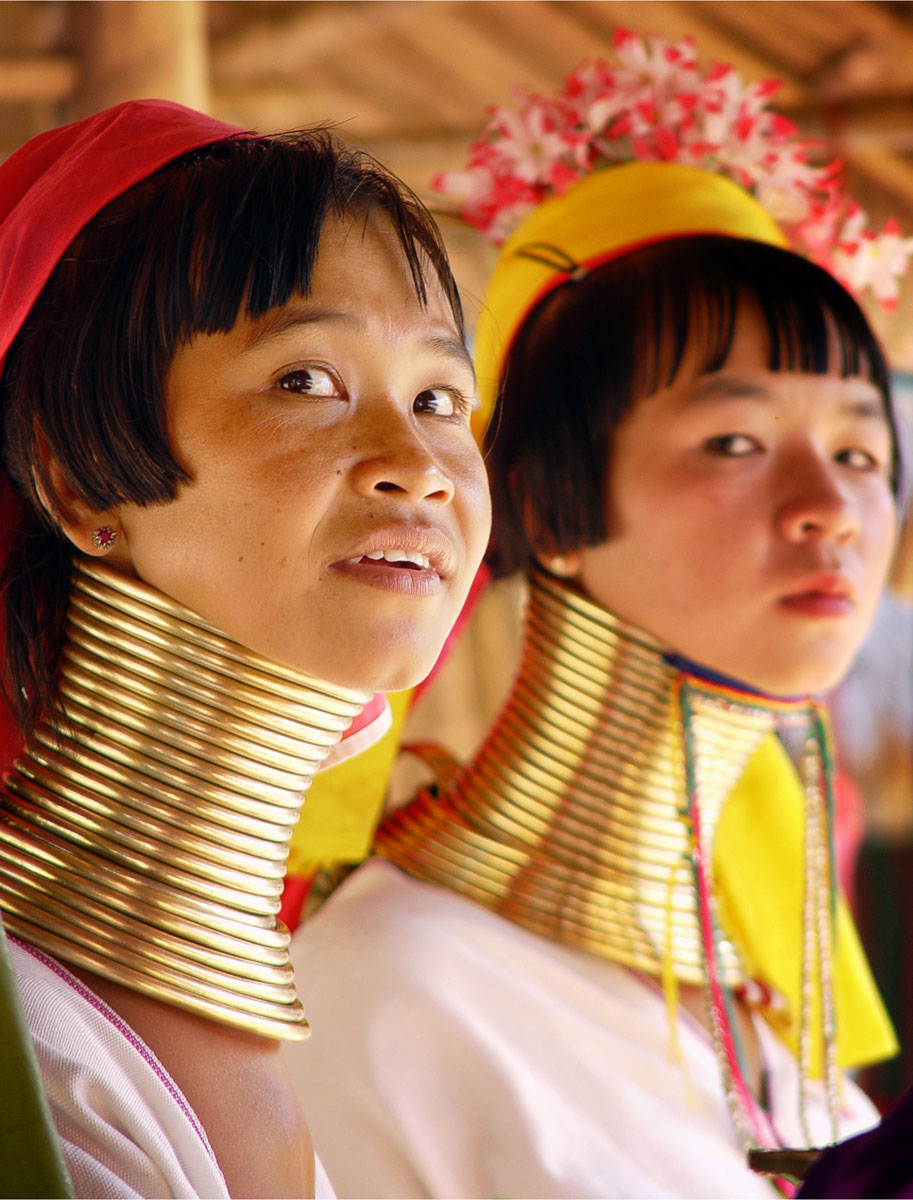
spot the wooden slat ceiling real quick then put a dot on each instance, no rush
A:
(410, 80)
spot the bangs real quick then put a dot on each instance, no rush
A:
(238, 228)
(689, 298)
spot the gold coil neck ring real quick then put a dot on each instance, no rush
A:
(144, 831)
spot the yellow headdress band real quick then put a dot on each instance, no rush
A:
(603, 216)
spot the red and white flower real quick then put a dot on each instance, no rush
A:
(655, 105)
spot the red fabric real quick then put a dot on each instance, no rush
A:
(10, 737)
(371, 711)
(54, 184)
(294, 894)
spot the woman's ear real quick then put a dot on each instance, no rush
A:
(565, 566)
(93, 532)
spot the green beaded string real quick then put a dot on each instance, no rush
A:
(819, 909)
(687, 813)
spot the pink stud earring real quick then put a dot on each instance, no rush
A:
(104, 538)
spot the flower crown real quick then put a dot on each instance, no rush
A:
(656, 106)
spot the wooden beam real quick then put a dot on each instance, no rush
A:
(361, 53)
(283, 105)
(879, 54)
(453, 44)
(310, 34)
(859, 126)
(674, 19)
(140, 48)
(889, 171)
(37, 77)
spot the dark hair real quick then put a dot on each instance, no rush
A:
(595, 345)
(230, 227)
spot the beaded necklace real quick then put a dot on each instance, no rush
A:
(144, 829)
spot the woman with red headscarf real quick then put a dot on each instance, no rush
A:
(240, 494)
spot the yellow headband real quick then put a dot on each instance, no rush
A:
(604, 215)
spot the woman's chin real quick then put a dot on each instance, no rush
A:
(373, 673)
(791, 682)
(402, 676)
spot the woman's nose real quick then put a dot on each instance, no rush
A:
(818, 506)
(401, 464)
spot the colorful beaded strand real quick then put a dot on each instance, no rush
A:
(818, 915)
(826, 910)
(721, 1014)
(747, 1116)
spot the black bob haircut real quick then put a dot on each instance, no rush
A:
(233, 227)
(595, 345)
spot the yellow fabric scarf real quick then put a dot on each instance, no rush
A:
(345, 802)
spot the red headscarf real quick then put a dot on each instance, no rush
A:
(49, 189)
(57, 182)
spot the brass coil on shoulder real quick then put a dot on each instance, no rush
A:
(144, 831)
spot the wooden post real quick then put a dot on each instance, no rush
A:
(138, 49)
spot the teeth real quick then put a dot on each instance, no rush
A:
(410, 556)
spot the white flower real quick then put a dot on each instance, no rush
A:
(468, 186)
(788, 186)
(528, 147)
(877, 262)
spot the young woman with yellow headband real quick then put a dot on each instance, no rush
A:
(607, 958)
(239, 494)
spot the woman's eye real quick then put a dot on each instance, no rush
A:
(858, 459)
(732, 445)
(442, 402)
(310, 381)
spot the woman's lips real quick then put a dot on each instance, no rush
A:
(827, 594)
(402, 547)
(405, 578)
(818, 604)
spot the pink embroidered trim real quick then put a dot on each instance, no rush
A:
(123, 1029)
